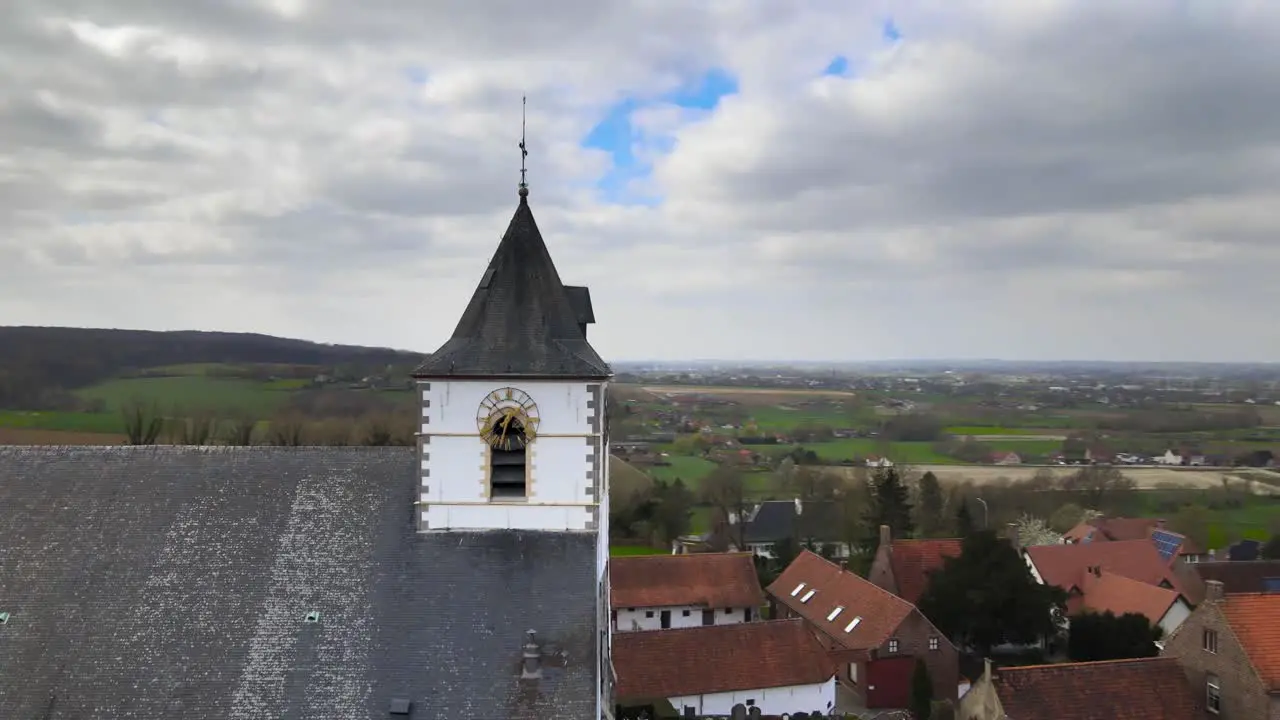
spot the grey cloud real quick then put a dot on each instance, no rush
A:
(943, 202)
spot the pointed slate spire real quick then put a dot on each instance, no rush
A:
(521, 321)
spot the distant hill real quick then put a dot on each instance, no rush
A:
(35, 361)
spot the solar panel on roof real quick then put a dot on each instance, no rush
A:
(1166, 543)
(1269, 585)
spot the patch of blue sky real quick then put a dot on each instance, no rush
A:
(889, 31)
(415, 75)
(616, 135)
(838, 66)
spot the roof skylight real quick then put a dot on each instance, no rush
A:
(853, 624)
(807, 596)
(834, 613)
(797, 590)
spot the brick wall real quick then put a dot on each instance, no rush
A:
(944, 663)
(1243, 696)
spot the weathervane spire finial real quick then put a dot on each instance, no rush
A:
(524, 152)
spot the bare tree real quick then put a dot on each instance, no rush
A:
(813, 484)
(725, 490)
(142, 423)
(190, 428)
(376, 431)
(1096, 483)
(239, 430)
(286, 430)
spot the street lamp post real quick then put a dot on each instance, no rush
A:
(985, 512)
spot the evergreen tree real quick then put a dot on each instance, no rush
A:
(987, 596)
(964, 521)
(1106, 636)
(890, 505)
(930, 510)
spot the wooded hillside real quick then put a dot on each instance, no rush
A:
(38, 364)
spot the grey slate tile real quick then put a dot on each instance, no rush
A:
(521, 321)
(170, 582)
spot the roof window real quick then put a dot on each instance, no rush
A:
(834, 613)
(853, 624)
(797, 590)
(808, 596)
(313, 616)
(4, 618)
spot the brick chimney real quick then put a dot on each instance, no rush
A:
(1011, 532)
(1213, 591)
(886, 537)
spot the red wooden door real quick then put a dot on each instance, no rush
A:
(889, 682)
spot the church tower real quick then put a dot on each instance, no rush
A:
(513, 432)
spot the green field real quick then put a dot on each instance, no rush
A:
(979, 430)
(783, 418)
(835, 451)
(1253, 522)
(194, 392)
(633, 550)
(689, 469)
(189, 392)
(108, 422)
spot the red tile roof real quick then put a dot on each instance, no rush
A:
(1108, 591)
(1065, 565)
(881, 612)
(655, 664)
(711, 580)
(1255, 619)
(913, 560)
(1120, 528)
(1146, 689)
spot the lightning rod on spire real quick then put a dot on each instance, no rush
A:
(524, 152)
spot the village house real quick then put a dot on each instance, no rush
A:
(1005, 458)
(778, 666)
(1109, 529)
(1229, 650)
(1099, 454)
(1241, 576)
(1146, 689)
(1103, 591)
(774, 521)
(878, 461)
(879, 634)
(1110, 576)
(902, 566)
(652, 592)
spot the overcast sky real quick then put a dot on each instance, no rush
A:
(1036, 179)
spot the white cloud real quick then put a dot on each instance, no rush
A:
(1011, 179)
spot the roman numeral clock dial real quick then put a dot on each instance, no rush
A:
(508, 419)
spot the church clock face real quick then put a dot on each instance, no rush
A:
(507, 419)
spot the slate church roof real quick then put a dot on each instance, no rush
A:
(521, 321)
(176, 582)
